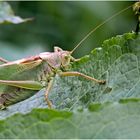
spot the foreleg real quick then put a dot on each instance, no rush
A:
(50, 84)
(73, 73)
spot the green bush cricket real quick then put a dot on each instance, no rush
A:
(22, 78)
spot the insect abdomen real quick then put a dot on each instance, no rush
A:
(13, 95)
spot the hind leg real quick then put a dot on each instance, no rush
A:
(3, 60)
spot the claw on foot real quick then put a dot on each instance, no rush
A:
(102, 82)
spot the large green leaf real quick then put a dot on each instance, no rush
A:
(117, 61)
(108, 120)
(7, 14)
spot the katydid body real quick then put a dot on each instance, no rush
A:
(23, 78)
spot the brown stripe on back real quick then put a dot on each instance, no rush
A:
(30, 59)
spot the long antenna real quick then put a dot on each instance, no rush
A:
(93, 30)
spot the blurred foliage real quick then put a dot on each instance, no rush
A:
(63, 24)
(7, 15)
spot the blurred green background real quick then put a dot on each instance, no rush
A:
(63, 24)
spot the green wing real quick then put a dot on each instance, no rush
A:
(32, 85)
(10, 69)
(19, 81)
